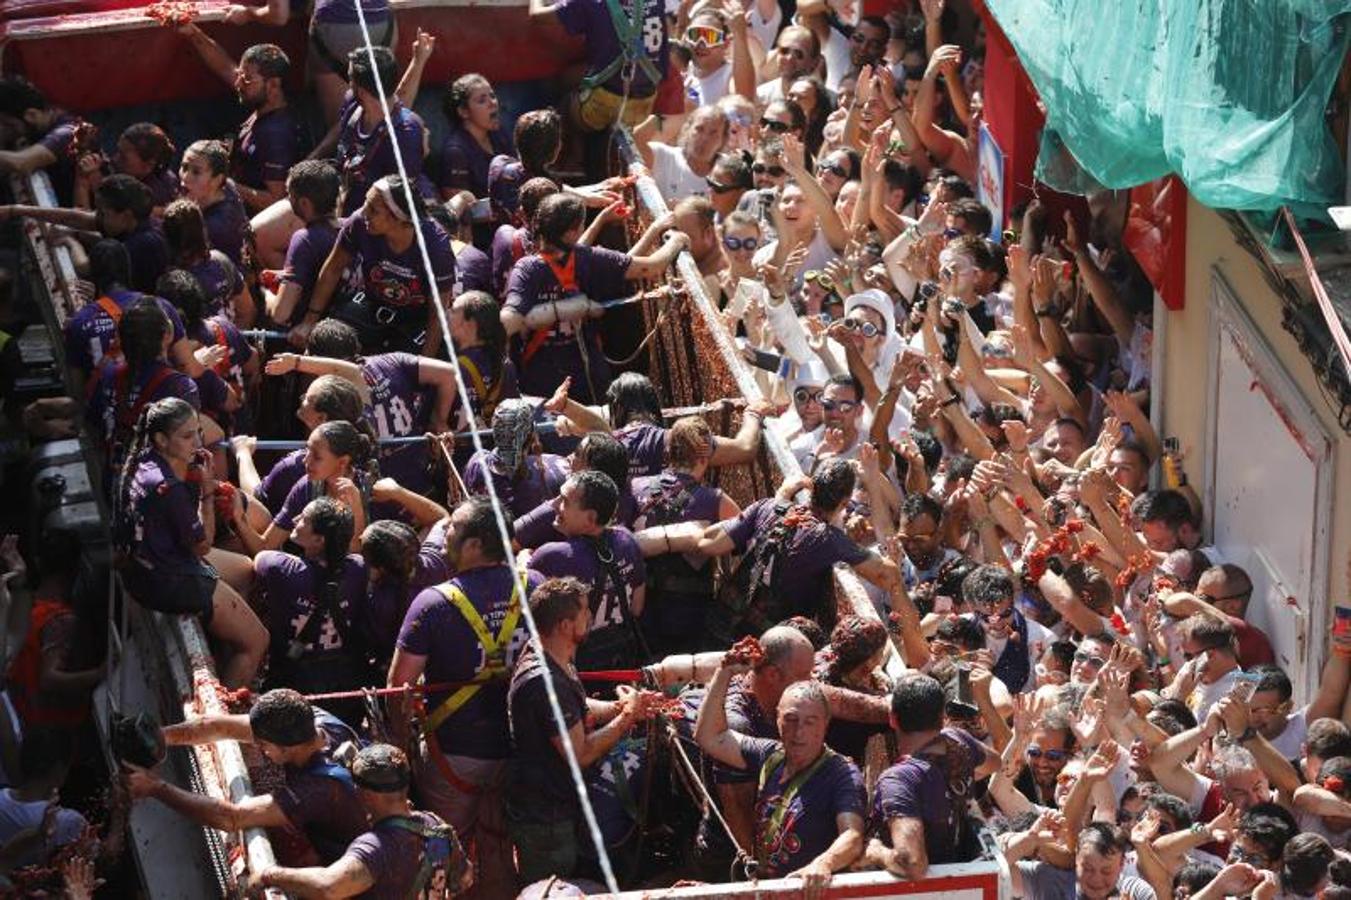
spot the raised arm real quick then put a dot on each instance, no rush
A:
(650, 268)
(711, 731)
(1104, 295)
(221, 64)
(423, 47)
(743, 447)
(794, 161)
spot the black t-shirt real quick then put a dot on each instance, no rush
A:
(539, 785)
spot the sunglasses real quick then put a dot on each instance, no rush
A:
(771, 171)
(705, 36)
(844, 406)
(1083, 656)
(833, 168)
(1035, 752)
(776, 126)
(999, 616)
(868, 329)
(1238, 855)
(805, 395)
(718, 187)
(816, 276)
(951, 233)
(736, 243)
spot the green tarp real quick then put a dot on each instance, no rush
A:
(1228, 94)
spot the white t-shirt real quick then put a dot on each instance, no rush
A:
(1290, 742)
(770, 91)
(1204, 696)
(819, 252)
(709, 89)
(766, 30)
(16, 816)
(836, 52)
(674, 177)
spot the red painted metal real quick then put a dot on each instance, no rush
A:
(64, 47)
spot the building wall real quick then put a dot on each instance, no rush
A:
(1210, 245)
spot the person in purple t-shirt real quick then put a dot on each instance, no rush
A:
(393, 309)
(604, 92)
(514, 240)
(204, 179)
(165, 517)
(399, 565)
(122, 207)
(475, 136)
(312, 602)
(919, 804)
(311, 816)
(523, 476)
(598, 451)
(481, 342)
(221, 280)
(552, 294)
(268, 142)
(473, 268)
(607, 560)
(312, 190)
(51, 134)
(789, 554)
(91, 334)
(809, 809)
(405, 852)
(365, 147)
(145, 153)
(438, 641)
(681, 586)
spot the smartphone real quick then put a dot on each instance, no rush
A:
(1172, 446)
(1341, 620)
(964, 683)
(481, 211)
(1245, 685)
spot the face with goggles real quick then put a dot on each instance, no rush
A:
(767, 172)
(707, 41)
(807, 402)
(819, 294)
(956, 274)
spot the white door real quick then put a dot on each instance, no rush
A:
(1269, 491)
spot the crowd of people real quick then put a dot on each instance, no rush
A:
(1056, 666)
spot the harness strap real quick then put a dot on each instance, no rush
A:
(494, 649)
(487, 398)
(566, 276)
(629, 32)
(767, 839)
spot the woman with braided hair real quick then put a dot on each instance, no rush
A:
(166, 523)
(312, 602)
(339, 460)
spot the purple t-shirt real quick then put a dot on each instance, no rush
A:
(291, 588)
(164, 516)
(745, 716)
(812, 551)
(227, 225)
(435, 628)
(393, 857)
(297, 498)
(387, 600)
(399, 407)
(364, 158)
(674, 497)
(220, 280)
(543, 479)
(113, 390)
(482, 364)
(266, 148)
(220, 330)
(507, 240)
(464, 164)
(149, 252)
(539, 785)
(323, 809)
(215, 394)
(163, 184)
(536, 528)
(921, 787)
(808, 828)
(305, 256)
(591, 19)
(279, 480)
(646, 444)
(600, 275)
(398, 279)
(473, 270)
(577, 557)
(90, 332)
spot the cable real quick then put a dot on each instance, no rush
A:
(434, 298)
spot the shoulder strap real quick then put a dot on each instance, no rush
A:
(494, 649)
(326, 607)
(428, 861)
(143, 396)
(768, 838)
(480, 387)
(108, 305)
(322, 765)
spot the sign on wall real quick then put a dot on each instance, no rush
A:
(990, 180)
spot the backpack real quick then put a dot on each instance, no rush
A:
(442, 864)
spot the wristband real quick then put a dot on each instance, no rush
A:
(951, 400)
(1048, 312)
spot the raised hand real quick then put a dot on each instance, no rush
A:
(1103, 760)
(1020, 270)
(423, 46)
(945, 59)
(559, 401)
(1072, 243)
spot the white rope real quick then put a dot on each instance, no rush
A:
(587, 812)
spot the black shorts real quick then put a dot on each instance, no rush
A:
(187, 590)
